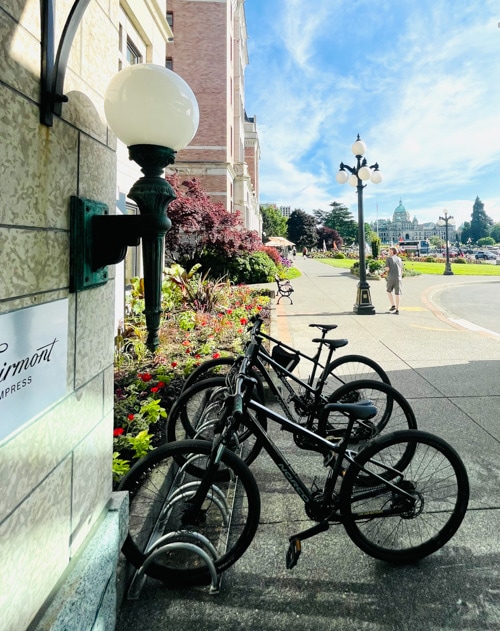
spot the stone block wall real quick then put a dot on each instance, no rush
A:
(55, 469)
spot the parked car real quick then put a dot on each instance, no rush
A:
(484, 254)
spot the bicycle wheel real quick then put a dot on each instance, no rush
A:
(201, 407)
(352, 368)
(160, 494)
(415, 512)
(393, 412)
(208, 369)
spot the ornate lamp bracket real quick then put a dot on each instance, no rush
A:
(53, 68)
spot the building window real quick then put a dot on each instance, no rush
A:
(169, 63)
(170, 19)
(133, 55)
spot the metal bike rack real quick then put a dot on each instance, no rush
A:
(196, 543)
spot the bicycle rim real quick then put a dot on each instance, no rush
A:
(393, 412)
(159, 497)
(416, 519)
(351, 368)
(199, 411)
(211, 368)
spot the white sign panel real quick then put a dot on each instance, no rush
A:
(33, 362)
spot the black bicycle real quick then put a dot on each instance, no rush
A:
(195, 505)
(279, 364)
(194, 411)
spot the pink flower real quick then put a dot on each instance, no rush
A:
(118, 431)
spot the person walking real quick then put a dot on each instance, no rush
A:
(394, 278)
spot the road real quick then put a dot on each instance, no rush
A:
(476, 305)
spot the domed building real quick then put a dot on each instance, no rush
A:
(403, 228)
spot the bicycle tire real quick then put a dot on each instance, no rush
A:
(191, 415)
(436, 478)
(152, 482)
(393, 411)
(351, 368)
(208, 369)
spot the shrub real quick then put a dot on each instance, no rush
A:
(256, 267)
(375, 266)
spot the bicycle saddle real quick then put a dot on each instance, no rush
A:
(325, 327)
(361, 411)
(331, 343)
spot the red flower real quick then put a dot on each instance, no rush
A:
(243, 321)
(229, 311)
(173, 364)
(216, 355)
(154, 389)
(188, 351)
(197, 356)
(130, 417)
(145, 376)
(259, 308)
(118, 431)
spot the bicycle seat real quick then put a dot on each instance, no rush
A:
(361, 411)
(325, 327)
(331, 343)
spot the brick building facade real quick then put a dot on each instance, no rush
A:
(209, 51)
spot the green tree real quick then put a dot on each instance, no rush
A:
(436, 241)
(480, 224)
(375, 243)
(302, 229)
(485, 241)
(341, 220)
(495, 232)
(273, 222)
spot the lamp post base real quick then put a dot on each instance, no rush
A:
(448, 271)
(363, 304)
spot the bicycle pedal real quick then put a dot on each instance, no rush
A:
(293, 553)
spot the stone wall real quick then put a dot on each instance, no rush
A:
(55, 469)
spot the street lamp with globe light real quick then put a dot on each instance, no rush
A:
(446, 221)
(359, 174)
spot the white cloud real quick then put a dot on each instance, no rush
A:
(425, 100)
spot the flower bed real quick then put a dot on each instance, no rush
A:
(202, 320)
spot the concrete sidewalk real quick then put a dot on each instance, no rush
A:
(451, 377)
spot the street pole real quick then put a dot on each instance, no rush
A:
(446, 221)
(360, 173)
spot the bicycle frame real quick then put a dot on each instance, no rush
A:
(283, 374)
(320, 445)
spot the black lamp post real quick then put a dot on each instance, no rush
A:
(446, 221)
(359, 173)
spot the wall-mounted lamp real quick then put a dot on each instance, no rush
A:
(155, 113)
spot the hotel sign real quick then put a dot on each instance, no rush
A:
(33, 362)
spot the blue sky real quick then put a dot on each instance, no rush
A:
(419, 80)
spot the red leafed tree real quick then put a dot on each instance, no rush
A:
(201, 226)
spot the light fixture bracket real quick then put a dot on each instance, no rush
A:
(99, 239)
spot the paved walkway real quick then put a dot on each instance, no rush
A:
(451, 377)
